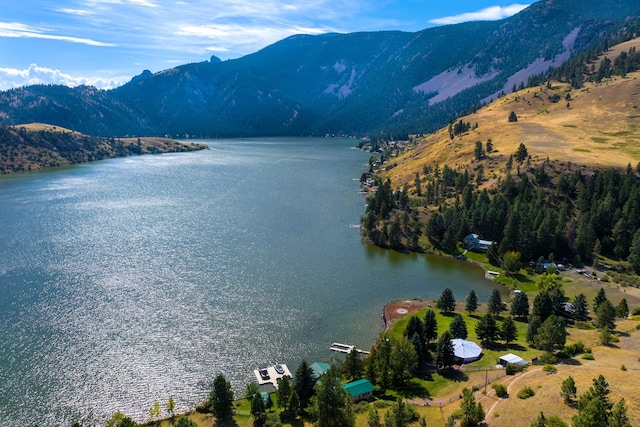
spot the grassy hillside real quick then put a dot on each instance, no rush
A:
(37, 146)
(597, 126)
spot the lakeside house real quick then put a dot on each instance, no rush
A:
(319, 368)
(360, 390)
(473, 242)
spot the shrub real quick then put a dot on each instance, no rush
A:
(550, 369)
(588, 356)
(500, 389)
(513, 368)
(526, 392)
(548, 358)
(584, 325)
(574, 348)
(563, 354)
(556, 421)
(623, 368)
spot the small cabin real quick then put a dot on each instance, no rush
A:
(360, 390)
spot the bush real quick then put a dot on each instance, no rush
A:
(588, 356)
(526, 392)
(584, 325)
(548, 358)
(500, 389)
(550, 369)
(556, 421)
(563, 354)
(574, 348)
(513, 368)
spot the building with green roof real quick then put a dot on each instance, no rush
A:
(360, 390)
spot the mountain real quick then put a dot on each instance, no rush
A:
(359, 83)
(594, 127)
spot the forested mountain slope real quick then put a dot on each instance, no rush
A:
(557, 180)
(362, 83)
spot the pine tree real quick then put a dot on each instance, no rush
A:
(446, 303)
(520, 305)
(600, 298)
(430, 327)
(605, 316)
(472, 412)
(532, 328)
(509, 330)
(471, 302)
(618, 416)
(551, 334)
(542, 306)
(486, 329)
(568, 390)
(221, 398)
(445, 357)
(622, 310)
(521, 153)
(458, 327)
(580, 304)
(332, 405)
(352, 367)
(495, 302)
(303, 383)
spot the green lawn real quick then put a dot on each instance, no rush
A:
(490, 354)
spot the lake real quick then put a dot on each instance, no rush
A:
(131, 280)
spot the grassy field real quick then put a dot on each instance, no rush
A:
(570, 133)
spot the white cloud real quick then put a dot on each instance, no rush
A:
(78, 12)
(11, 77)
(19, 30)
(488, 14)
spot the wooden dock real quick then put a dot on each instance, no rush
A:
(345, 348)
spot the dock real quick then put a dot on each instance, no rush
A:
(346, 348)
(274, 376)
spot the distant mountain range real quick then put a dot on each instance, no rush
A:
(375, 83)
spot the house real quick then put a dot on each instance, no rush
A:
(473, 242)
(319, 368)
(466, 351)
(360, 390)
(511, 358)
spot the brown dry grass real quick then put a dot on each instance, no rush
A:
(36, 127)
(600, 128)
(608, 362)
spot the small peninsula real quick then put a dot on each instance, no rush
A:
(35, 146)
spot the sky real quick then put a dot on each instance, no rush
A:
(104, 43)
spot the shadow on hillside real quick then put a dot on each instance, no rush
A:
(413, 390)
(226, 423)
(572, 362)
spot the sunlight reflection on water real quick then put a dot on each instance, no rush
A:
(132, 280)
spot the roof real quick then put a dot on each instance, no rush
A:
(466, 349)
(512, 358)
(359, 387)
(319, 368)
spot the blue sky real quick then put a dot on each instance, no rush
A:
(106, 42)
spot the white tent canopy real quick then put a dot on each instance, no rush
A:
(466, 351)
(511, 358)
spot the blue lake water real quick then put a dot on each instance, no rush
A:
(131, 280)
